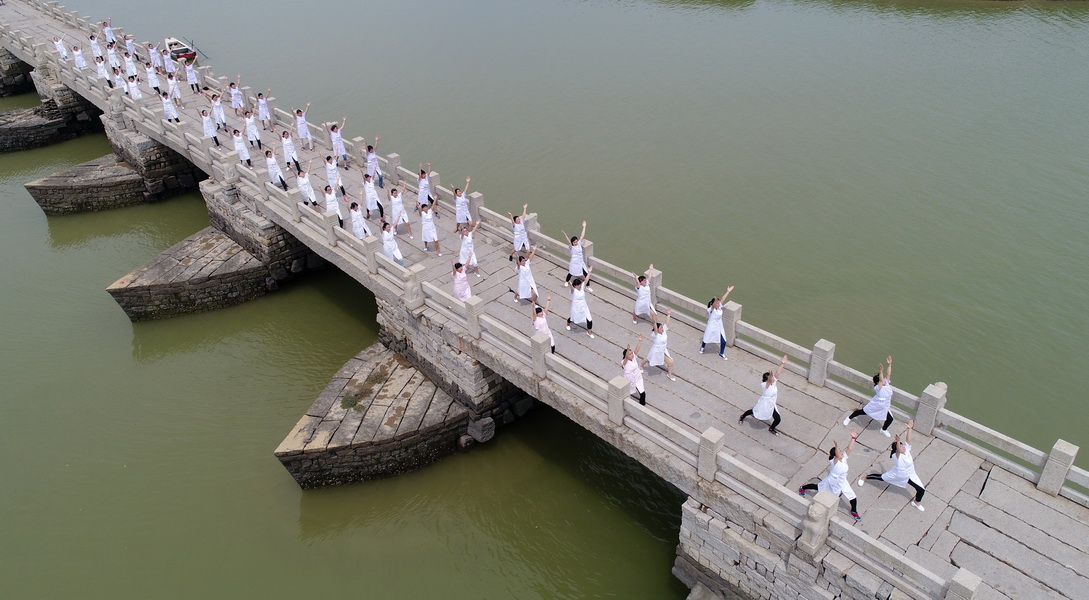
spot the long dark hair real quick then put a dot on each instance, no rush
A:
(832, 453)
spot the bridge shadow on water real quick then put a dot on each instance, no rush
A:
(545, 495)
(284, 323)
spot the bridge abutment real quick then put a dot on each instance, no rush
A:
(62, 115)
(14, 75)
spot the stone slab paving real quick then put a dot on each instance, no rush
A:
(1023, 543)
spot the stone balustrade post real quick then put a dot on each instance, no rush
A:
(963, 586)
(542, 346)
(476, 202)
(531, 223)
(587, 251)
(413, 282)
(815, 524)
(297, 209)
(710, 444)
(617, 394)
(393, 165)
(474, 306)
(359, 147)
(654, 280)
(823, 351)
(731, 313)
(372, 245)
(1057, 467)
(435, 183)
(931, 402)
(330, 221)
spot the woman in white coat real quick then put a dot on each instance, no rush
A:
(769, 395)
(306, 189)
(527, 286)
(521, 237)
(209, 126)
(835, 482)
(539, 315)
(576, 265)
(302, 128)
(275, 175)
(389, 245)
(427, 228)
(239, 146)
(170, 112)
(461, 205)
(902, 473)
(658, 355)
(332, 204)
(713, 331)
(359, 224)
(467, 254)
(633, 373)
(397, 211)
(879, 408)
(580, 312)
(643, 305)
(371, 196)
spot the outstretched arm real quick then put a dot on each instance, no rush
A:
(669, 313)
(907, 435)
(532, 252)
(466, 190)
(779, 371)
(851, 446)
(583, 234)
(525, 207)
(728, 290)
(888, 373)
(638, 344)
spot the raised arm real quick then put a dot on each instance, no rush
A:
(532, 252)
(465, 191)
(376, 143)
(474, 224)
(907, 434)
(525, 207)
(888, 372)
(728, 290)
(343, 121)
(851, 445)
(583, 234)
(669, 312)
(779, 371)
(638, 344)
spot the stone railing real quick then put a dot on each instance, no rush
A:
(698, 455)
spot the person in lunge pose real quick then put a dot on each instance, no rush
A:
(836, 481)
(769, 394)
(527, 286)
(336, 141)
(633, 373)
(576, 266)
(468, 247)
(389, 245)
(275, 175)
(879, 408)
(658, 355)
(461, 205)
(643, 305)
(580, 312)
(240, 147)
(427, 228)
(713, 331)
(521, 238)
(359, 223)
(902, 473)
(302, 129)
(461, 282)
(539, 316)
(397, 211)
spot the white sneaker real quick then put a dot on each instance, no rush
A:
(410, 237)
(886, 433)
(672, 378)
(633, 321)
(846, 421)
(701, 350)
(565, 284)
(588, 290)
(440, 253)
(478, 275)
(591, 335)
(861, 481)
(723, 357)
(918, 506)
(568, 328)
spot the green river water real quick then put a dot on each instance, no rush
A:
(903, 178)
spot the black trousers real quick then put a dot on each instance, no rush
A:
(775, 418)
(888, 418)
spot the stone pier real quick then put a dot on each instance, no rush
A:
(100, 184)
(165, 172)
(378, 417)
(62, 115)
(203, 272)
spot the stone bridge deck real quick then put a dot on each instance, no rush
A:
(1015, 517)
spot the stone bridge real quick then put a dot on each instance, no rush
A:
(1003, 519)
